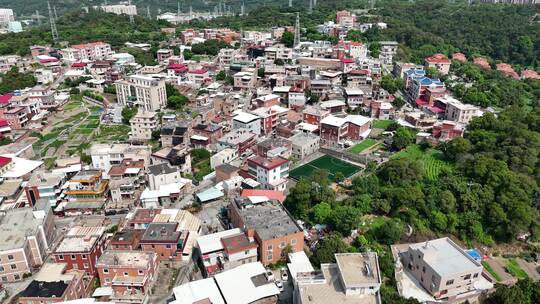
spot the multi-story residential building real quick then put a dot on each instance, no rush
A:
(162, 174)
(271, 173)
(270, 225)
(346, 19)
(271, 117)
(245, 80)
(163, 55)
(278, 52)
(104, 156)
(178, 156)
(438, 62)
(129, 273)
(442, 268)
(296, 98)
(446, 130)
(304, 144)
(210, 131)
(126, 239)
(143, 124)
(86, 188)
(273, 147)
(89, 51)
(225, 57)
(125, 183)
(145, 92)
(418, 88)
(173, 135)
(54, 284)
(27, 234)
(388, 51)
(225, 250)
(47, 186)
(188, 35)
(313, 115)
(321, 87)
(247, 121)
(354, 97)
(6, 16)
(224, 156)
(120, 9)
(238, 139)
(80, 249)
(198, 76)
(460, 112)
(165, 240)
(16, 117)
(354, 278)
(335, 130)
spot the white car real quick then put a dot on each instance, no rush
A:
(279, 285)
(269, 275)
(284, 275)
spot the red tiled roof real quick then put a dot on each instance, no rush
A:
(3, 123)
(421, 102)
(4, 161)
(437, 58)
(198, 71)
(347, 60)
(78, 65)
(87, 45)
(237, 243)
(4, 99)
(530, 74)
(271, 194)
(436, 110)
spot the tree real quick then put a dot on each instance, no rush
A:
(344, 219)
(328, 247)
(5, 141)
(287, 39)
(398, 102)
(375, 49)
(404, 137)
(339, 177)
(177, 102)
(298, 202)
(221, 75)
(390, 84)
(128, 113)
(321, 213)
(388, 233)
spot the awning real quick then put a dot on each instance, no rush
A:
(209, 194)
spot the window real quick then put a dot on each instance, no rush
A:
(282, 245)
(141, 272)
(424, 269)
(17, 277)
(73, 257)
(13, 266)
(270, 248)
(270, 257)
(10, 257)
(475, 275)
(168, 246)
(1, 268)
(293, 242)
(85, 265)
(449, 282)
(105, 270)
(61, 257)
(84, 257)
(107, 280)
(467, 277)
(126, 274)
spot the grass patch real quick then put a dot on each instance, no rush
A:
(113, 132)
(49, 162)
(366, 143)
(431, 160)
(515, 270)
(382, 124)
(491, 271)
(328, 163)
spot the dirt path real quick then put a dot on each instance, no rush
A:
(530, 269)
(498, 265)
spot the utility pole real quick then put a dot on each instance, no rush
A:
(54, 32)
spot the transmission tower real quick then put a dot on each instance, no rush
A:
(310, 6)
(131, 19)
(37, 17)
(54, 32)
(148, 12)
(242, 9)
(290, 3)
(297, 31)
(190, 11)
(178, 10)
(314, 3)
(55, 15)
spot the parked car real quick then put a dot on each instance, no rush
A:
(279, 285)
(284, 274)
(269, 275)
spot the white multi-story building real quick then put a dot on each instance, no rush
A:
(143, 124)
(304, 144)
(6, 16)
(145, 92)
(459, 112)
(162, 174)
(243, 120)
(88, 51)
(120, 9)
(104, 156)
(278, 51)
(270, 173)
(224, 156)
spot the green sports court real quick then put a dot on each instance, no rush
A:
(326, 162)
